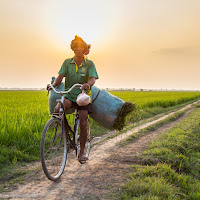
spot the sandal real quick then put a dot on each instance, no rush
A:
(82, 159)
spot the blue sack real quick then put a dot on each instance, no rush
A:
(108, 110)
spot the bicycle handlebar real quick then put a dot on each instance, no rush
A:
(65, 92)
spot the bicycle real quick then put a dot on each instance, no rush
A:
(58, 138)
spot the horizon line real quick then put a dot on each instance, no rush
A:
(123, 89)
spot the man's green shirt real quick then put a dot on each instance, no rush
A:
(75, 75)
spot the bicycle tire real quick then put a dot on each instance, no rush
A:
(77, 141)
(53, 149)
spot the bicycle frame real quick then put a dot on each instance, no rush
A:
(65, 125)
(66, 128)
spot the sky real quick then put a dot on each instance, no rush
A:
(142, 44)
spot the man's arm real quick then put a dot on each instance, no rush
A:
(92, 81)
(58, 80)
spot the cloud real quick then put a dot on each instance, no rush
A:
(190, 50)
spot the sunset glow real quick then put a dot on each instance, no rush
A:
(134, 44)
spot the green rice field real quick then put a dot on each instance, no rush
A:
(151, 99)
(23, 115)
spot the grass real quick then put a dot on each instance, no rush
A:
(180, 147)
(12, 181)
(176, 172)
(159, 182)
(151, 103)
(150, 99)
(12, 176)
(120, 121)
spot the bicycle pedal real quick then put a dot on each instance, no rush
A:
(90, 138)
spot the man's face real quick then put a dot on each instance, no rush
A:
(79, 50)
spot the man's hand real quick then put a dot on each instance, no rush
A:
(57, 82)
(48, 87)
(91, 82)
(85, 86)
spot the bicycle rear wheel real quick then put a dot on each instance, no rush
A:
(53, 149)
(77, 140)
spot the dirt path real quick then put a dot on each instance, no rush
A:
(96, 179)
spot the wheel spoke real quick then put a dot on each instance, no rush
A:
(54, 137)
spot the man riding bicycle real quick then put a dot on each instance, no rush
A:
(81, 70)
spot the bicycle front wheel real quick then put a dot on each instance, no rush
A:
(53, 149)
(77, 140)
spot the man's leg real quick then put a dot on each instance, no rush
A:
(67, 105)
(83, 116)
